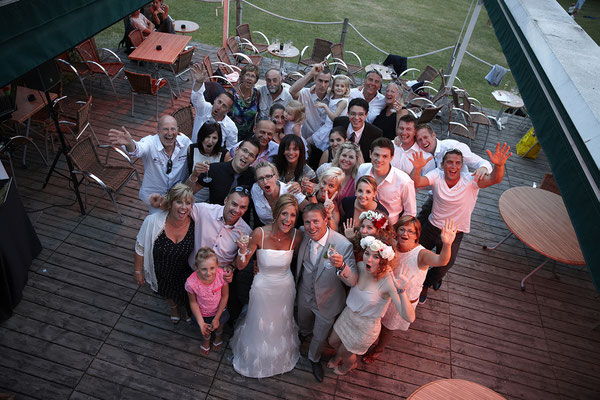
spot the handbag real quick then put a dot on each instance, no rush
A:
(529, 146)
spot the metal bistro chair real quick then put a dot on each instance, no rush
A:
(136, 37)
(89, 55)
(79, 69)
(428, 114)
(321, 49)
(337, 53)
(8, 145)
(462, 130)
(207, 64)
(182, 65)
(145, 84)
(185, 120)
(76, 124)
(109, 177)
(241, 58)
(243, 31)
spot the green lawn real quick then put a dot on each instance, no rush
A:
(404, 27)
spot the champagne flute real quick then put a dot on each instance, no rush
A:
(206, 179)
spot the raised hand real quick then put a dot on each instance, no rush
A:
(448, 232)
(200, 168)
(242, 242)
(403, 276)
(198, 73)
(328, 203)
(479, 173)
(156, 200)
(317, 69)
(418, 161)
(349, 231)
(120, 137)
(500, 155)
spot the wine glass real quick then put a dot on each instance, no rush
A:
(206, 179)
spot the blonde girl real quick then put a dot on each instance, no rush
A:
(295, 115)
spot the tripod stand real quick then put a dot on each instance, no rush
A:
(64, 149)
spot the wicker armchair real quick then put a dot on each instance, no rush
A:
(136, 37)
(76, 123)
(145, 84)
(89, 55)
(185, 120)
(182, 65)
(243, 31)
(241, 58)
(223, 80)
(462, 130)
(79, 69)
(109, 177)
(337, 52)
(321, 49)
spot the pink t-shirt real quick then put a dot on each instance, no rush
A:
(207, 296)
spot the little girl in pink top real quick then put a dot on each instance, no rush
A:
(208, 293)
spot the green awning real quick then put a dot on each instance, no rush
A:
(36, 31)
(551, 73)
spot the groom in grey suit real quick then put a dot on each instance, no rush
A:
(320, 280)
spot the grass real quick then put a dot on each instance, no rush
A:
(405, 27)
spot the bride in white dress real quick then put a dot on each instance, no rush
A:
(265, 341)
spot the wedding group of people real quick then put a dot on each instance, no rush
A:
(243, 231)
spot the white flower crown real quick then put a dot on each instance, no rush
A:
(378, 219)
(373, 244)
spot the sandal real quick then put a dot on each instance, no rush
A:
(371, 357)
(217, 344)
(337, 370)
(175, 317)
(205, 346)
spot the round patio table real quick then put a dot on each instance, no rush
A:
(190, 26)
(288, 51)
(454, 389)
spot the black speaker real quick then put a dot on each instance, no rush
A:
(44, 77)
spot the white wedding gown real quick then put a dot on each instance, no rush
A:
(265, 342)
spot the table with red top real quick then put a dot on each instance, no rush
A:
(171, 46)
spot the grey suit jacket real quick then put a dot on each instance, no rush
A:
(330, 294)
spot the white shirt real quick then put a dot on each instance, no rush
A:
(402, 157)
(261, 204)
(266, 101)
(396, 192)
(357, 134)
(203, 114)
(315, 117)
(376, 104)
(152, 152)
(456, 202)
(313, 258)
(470, 159)
(211, 231)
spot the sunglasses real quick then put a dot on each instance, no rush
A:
(169, 166)
(241, 189)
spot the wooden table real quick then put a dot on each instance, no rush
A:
(506, 99)
(386, 72)
(171, 45)
(27, 109)
(289, 51)
(190, 26)
(539, 219)
(454, 389)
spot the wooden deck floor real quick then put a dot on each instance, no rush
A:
(84, 330)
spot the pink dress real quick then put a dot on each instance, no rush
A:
(346, 191)
(208, 297)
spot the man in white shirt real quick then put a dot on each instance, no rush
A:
(454, 197)
(314, 129)
(395, 189)
(425, 138)
(164, 156)
(273, 92)
(405, 144)
(217, 112)
(370, 92)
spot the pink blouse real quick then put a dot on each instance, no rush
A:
(347, 191)
(208, 297)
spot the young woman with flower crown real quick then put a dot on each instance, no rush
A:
(413, 261)
(359, 324)
(371, 223)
